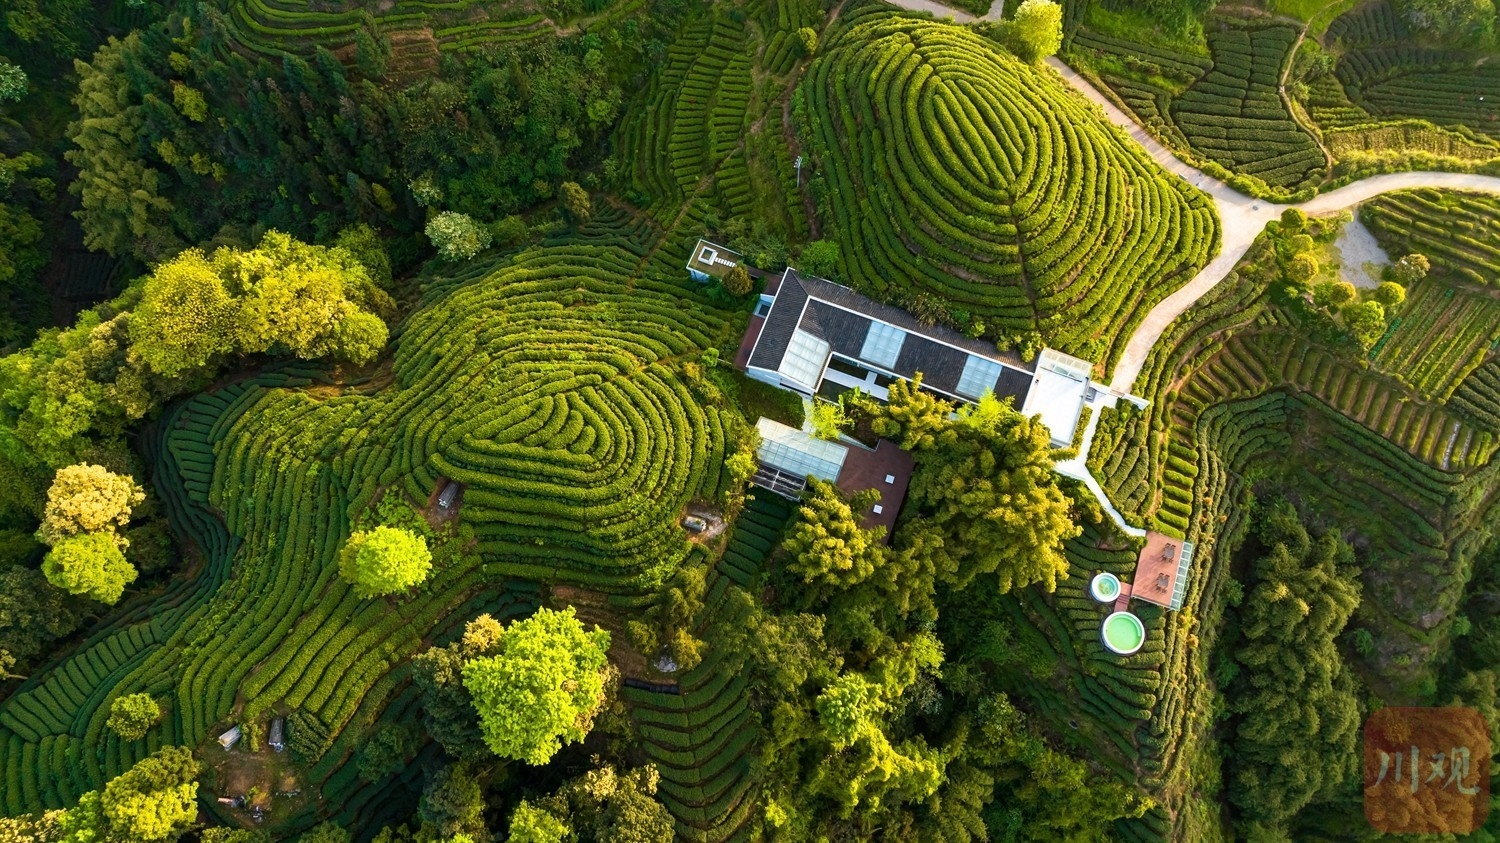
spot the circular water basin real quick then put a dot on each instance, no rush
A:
(1105, 587)
(1123, 633)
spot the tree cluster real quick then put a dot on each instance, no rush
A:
(874, 730)
(521, 692)
(156, 800)
(180, 140)
(85, 506)
(1335, 308)
(1298, 714)
(984, 498)
(542, 687)
(601, 805)
(79, 388)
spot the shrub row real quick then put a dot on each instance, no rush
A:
(939, 193)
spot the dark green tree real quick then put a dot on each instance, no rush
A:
(984, 492)
(1299, 717)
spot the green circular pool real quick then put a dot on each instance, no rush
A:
(1123, 633)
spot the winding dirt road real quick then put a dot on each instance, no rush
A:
(1241, 218)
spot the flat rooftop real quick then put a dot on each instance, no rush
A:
(1161, 571)
(712, 259)
(886, 469)
(1058, 399)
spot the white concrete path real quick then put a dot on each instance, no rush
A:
(1241, 220)
(939, 10)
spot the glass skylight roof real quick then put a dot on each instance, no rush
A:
(979, 374)
(804, 360)
(882, 344)
(791, 450)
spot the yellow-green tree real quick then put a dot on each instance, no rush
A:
(156, 800)
(829, 549)
(282, 297)
(862, 768)
(294, 298)
(911, 417)
(984, 496)
(602, 804)
(576, 202)
(87, 498)
(384, 560)
(131, 715)
(737, 281)
(91, 565)
(1037, 29)
(186, 317)
(542, 689)
(530, 824)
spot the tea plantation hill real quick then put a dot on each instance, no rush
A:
(555, 386)
(974, 189)
(1292, 106)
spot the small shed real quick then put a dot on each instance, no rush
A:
(449, 496)
(278, 734)
(230, 738)
(710, 260)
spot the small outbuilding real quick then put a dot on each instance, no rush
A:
(277, 738)
(230, 738)
(710, 260)
(449, 496)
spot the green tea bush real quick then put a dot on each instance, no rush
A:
(953, 172)
(1235, 115)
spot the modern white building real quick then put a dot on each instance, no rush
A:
(820, 338)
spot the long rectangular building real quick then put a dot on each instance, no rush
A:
(817, 337)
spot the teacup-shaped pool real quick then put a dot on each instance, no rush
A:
(1123, 633)
(1105, 587)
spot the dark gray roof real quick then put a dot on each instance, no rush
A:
(781, 322)
(843, 318)
(844, 331)
(1014, 384)
(844, 297)
(941, 365)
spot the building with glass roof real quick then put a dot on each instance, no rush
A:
(820, 338)
(791, 450)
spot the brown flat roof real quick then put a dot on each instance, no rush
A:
(868, 469)
(1158, 568)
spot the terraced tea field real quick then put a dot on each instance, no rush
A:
(552, 387)
(1234, 113)
(973, 188)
